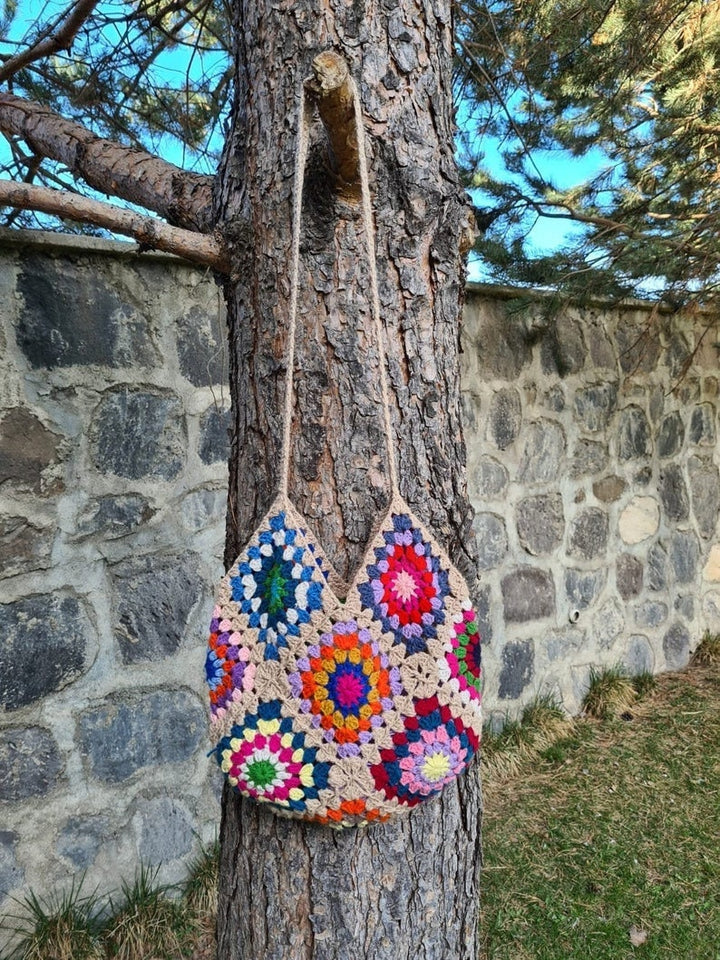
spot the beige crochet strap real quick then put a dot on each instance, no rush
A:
(369, 230)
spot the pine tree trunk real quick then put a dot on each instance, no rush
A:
(291, 891)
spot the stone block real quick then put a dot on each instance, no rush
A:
(702, 425)
(688, 390)
(129, 731)
(657, 567)
(166, 830)
(608, 624)
(201, 346)
(70, 315)
(139, 433)
(80, 839)
(503, 348)
(505, 417)
(711, 570)
(11, 873)
(601, 350)
(518, 667)
(685, 606)
(554, 399)
(704, 494)
(595, 405)
(650, 614)
(154, 596)
(543, 452)
(711, 608)
(589, 534)
(528, 594)
(114, 516)
(670, 436)
(491, 540)
(43, 649)
(214, 445)
(634, 439)
(639, 520)
(677, 355)
(639, 657)
(676, 647)
(30, 763)
(482, 614)
(589, 458)
(609, 489)
(628, 576)
(562, 348)
(656, 404)
(684, 555)
(638, 347)
(28, 452)
(203, 508)
(673, 493)
(488, 479)
(582, 587)
(563, 644)
(540, 523)
(24, 546)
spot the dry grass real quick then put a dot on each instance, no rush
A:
(611, 693)
(612, 836)
(708, 651)
(543, 724)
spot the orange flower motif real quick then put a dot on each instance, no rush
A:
(346, 684)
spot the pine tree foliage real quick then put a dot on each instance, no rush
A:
(154, 74)
(632, 86)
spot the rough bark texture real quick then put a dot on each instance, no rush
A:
(410, 889)
(183, 199)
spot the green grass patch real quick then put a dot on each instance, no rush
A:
(606, 847)
(145, 920)
(63, 926)
(542, 726)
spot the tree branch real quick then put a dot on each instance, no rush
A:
(182, 198)
(148, 231)
(61, 39)
(331, 89)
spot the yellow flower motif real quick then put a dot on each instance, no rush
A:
(436, 766)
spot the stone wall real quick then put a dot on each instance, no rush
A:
(592, 466)
(113, 452)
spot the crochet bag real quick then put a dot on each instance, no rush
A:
(339, 703)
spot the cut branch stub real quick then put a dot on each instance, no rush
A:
(331, 89)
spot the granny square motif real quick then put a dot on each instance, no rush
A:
(343, 711)
(340, 703)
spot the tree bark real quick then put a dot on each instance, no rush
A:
(183, 199)
(406, 889)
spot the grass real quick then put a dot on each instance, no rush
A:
(542, 726)
(147, 921)
(610, 848)
(611, 693)
(601, 841)
(708, 650)
(63, 926)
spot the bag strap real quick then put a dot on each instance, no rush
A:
(301, 152)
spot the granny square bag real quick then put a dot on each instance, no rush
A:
(343, 704)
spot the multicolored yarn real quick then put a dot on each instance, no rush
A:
(407, 586)
(327, 710)
(342, 704)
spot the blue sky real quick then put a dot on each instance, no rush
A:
(545, 235)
